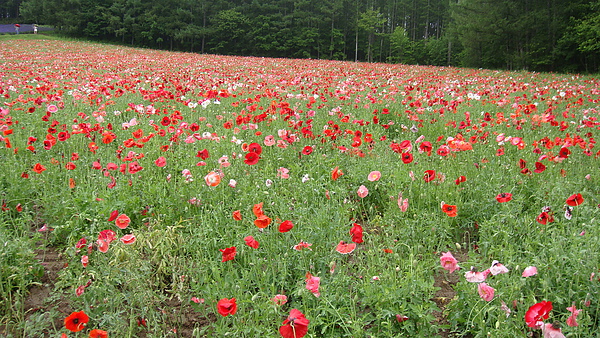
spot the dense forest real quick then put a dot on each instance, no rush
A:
(537, 35)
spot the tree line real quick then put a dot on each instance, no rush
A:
(537, 35)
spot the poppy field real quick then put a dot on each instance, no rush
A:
(187, 195)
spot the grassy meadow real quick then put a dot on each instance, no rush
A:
(183, 195)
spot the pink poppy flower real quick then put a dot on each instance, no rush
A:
(279, 299)
(572, 320)
(529, 271)
(84, 260)
(362, 191)
(374, 176)
(449, 263)
(269, 140)
(345, 248)
(128, 239)
(401, 318)
(283, 173)
(302, 245)
(122, 221)
(161, 162)
(402, 203)
(102, 245)
(312, 284)
(486, 292)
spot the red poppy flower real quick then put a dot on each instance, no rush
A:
(122, 221)
(460, 180)
(538, 313)
(38, 168)
(228, 254)
(425, 147)
(107, 235)
(504, 197)
(237, 215)
(539, 167)
(574, 200)
(407, 158)
(443, 150)
(203, 154)
(262, 221)
(98, 334)
(76, 321)
(226, 307)
(544, 218)
(285, 226)
(336, 173)
(345, 248)
(357, 233)
(522, 163)
(161, 162)
(450, 210)
(295, 325)
(212, 179)
(307, 150)
(251, 242)
(564, 152)
(70, 166)
(113, 215)
(257, 209)
(255, 148)
(429, 175)
(251, 158)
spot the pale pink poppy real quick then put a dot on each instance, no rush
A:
(551, 331)
(448, 262)
(497, 268)
(232, 183)
(505, 308)
(476, 276)
(84, 260)
(529, 271)
(128, 239)
(279, 299)
(374, 176)
(486, 292)
(362, 191)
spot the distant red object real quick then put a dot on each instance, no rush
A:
(17, 25)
